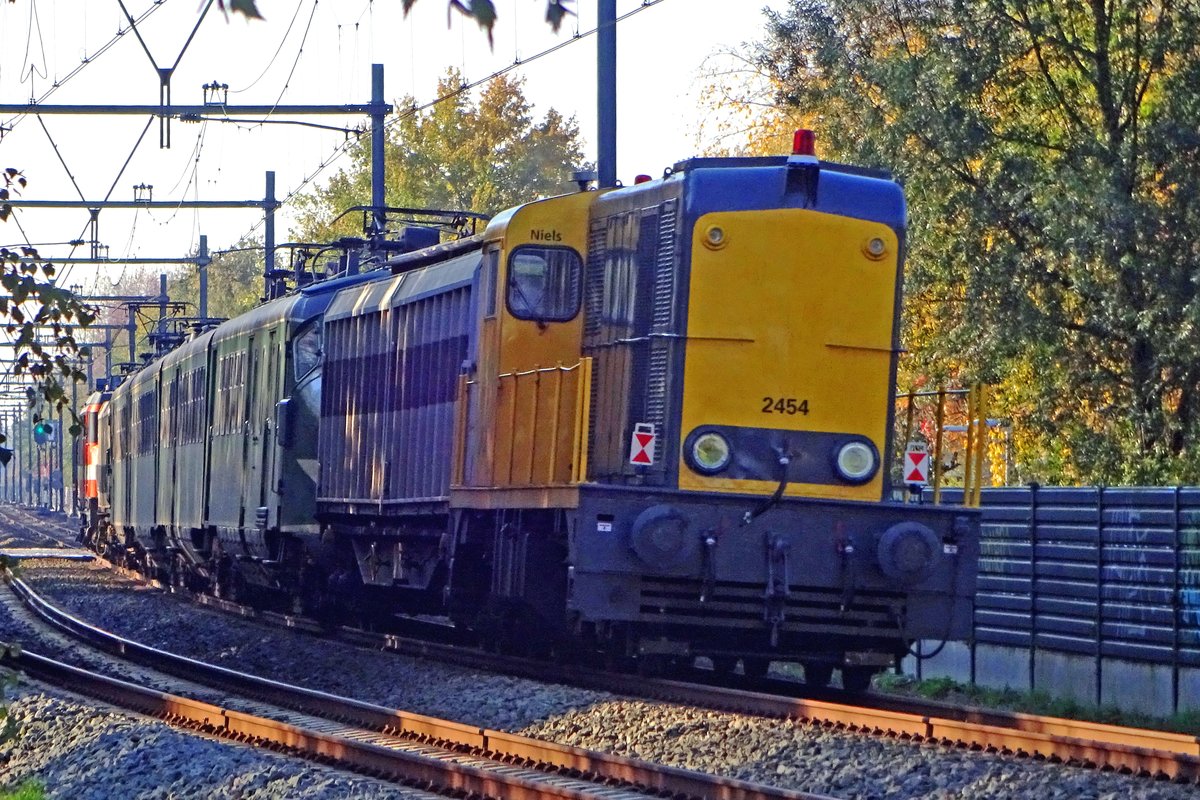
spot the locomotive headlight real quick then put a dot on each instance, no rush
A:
(856, 462)
(709, 453)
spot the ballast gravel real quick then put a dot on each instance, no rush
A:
(779, 753)
(81, 752)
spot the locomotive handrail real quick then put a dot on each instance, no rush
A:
(975, 429)
(583, 422)
(538, 370)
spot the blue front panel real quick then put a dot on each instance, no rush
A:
(848, 194)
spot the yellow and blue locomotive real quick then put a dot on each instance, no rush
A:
(651, 422)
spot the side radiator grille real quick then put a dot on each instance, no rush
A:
(662, 349)
(629, 330)
(593, 308)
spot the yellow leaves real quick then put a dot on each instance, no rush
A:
(997, 454)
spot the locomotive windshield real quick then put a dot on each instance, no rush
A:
(543, 283)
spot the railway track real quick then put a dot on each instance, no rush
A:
(1149, 753)
(1153, 754)
(438, 755)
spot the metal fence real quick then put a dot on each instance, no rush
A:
(1094, 589)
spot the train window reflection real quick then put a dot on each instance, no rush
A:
(307, 349)
(543, 283)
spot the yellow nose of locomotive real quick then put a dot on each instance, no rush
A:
(790, 344)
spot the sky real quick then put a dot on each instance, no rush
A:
(81, 52)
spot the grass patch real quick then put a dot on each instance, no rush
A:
(27, 790)
(1039, 703)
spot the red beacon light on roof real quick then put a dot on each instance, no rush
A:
(641, 179)
(804, 147)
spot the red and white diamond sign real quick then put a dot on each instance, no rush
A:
(641, 448)
(916, 464)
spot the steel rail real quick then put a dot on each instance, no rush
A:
(440, 776)
(633, 774)
(1157, 754)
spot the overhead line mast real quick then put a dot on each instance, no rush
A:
(606, 92)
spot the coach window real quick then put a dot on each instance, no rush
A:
(543, 283)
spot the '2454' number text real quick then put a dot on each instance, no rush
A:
(784, 405)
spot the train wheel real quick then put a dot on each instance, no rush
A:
(817, 675)
(724, 665)
(856, 679)
(755, 667)
(659, 666)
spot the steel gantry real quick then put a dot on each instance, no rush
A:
(219, 110)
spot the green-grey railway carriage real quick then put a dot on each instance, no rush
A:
(209, 457)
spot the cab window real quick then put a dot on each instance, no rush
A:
(543, 283)
(306, 350)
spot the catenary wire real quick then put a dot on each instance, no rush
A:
(275, 55)
(345, 146)
(16, 119)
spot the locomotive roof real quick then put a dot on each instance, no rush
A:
(760, 183)
(722, 162)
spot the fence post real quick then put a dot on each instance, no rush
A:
(1099, 594)
(1033, 610)
(1175, 609)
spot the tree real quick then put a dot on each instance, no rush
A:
(40, 318)
(1051, 160)
(235, 280)
(459, 155)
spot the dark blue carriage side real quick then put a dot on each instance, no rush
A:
(393, 353)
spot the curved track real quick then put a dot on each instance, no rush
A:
(444, 756)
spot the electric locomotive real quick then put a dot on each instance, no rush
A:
(649, 422)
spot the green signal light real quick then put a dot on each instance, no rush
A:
(43, 431)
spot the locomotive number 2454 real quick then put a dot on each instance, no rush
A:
(784, 405)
